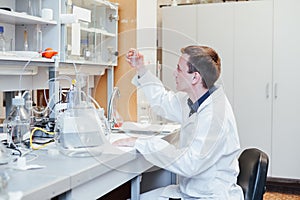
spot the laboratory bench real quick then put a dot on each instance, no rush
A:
(65, 177)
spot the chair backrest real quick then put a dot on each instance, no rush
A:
(253, 173)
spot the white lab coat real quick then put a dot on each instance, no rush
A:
(205, 159)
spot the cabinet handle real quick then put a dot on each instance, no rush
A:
(275, 91)
(267, 90)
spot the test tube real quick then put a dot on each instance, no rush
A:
(134, 58)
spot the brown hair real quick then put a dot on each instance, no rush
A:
(204, 60)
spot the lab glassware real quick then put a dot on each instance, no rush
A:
(17, 124)
(80, 132)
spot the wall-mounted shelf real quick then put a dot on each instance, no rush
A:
(24, 56)
(12, 17)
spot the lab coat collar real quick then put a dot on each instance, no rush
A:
(215, 94)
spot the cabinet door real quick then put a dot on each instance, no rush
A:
(179, 29)
(215, 29)
(92, 37)
(253, 73)
(286, 107)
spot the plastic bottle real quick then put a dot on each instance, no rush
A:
(2, 40)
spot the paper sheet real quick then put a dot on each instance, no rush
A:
(149, 128)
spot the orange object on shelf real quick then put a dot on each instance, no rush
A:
(49, 53)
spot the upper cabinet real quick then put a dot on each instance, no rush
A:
(89, 32)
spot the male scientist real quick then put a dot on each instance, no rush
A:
(206, 156)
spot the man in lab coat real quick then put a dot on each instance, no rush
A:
(206, 156)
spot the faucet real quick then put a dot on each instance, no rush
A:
(112, 106)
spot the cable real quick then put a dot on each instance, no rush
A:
(51, 110)
(35, 156)
(45, 144)
(94, 101)
(26, 92)
(25, 66)
(15, 149)
(43, 111)
(52, 96)
(75, 68)
(20, 81)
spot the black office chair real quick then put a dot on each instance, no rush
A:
(253, 173)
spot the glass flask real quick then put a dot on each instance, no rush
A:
(17, 124)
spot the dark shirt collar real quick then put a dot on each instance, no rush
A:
(194, 106)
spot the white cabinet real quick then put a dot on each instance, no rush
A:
(215, 28)
(188, 25)
(253, 29)
(258, 42)
(266, 72)
(286, 107)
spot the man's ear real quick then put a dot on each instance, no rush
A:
(196, 78)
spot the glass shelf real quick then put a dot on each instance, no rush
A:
(98, 31)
